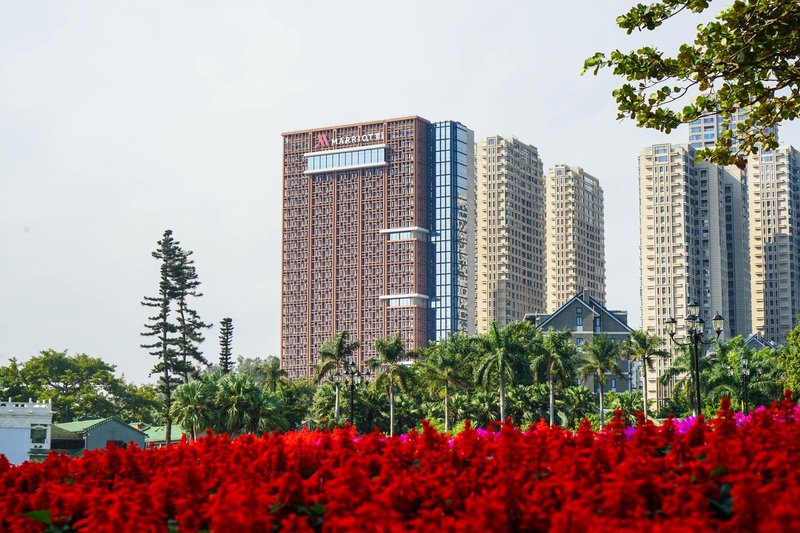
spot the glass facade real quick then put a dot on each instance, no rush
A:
(360, 158)
(452, 212)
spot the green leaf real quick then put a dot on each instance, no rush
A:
(40, 516)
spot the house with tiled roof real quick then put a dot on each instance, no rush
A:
(584, 317)
(97, 433)
(157, 435)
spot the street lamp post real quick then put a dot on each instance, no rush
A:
(352, 377)
(695, 330)
(746, 380)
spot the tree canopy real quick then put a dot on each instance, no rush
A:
(79, 386)
(746, 58)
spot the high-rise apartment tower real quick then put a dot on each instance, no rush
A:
(775, 240)
(574, 236)
(685, 245)
(510, 229)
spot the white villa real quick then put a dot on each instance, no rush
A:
(25, 429)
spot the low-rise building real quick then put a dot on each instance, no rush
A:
(156, 436)
(100, 432)
(25, 430)
(586, 318)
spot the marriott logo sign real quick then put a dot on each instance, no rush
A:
(324, 142)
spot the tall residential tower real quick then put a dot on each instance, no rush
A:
(775, 240)
(510, 231)
(574, 236)
(686, 239)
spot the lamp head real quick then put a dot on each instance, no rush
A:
(691, 321)
(694, 308)
(701, 326)
(671, 325)
(718, 322)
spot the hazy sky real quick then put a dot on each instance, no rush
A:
(121, 119)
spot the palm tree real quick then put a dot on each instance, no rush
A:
(272, 374)
(443, 370)
(244, 407)
(680, 371)
(391, 369)
(725, 374)
(643, 347)
(191, 406)
(333, 355)
(504, 350)
(576, 403)
(555, 358)
(600, 359)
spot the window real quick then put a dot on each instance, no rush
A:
(358, 158)
(597, 322)
(579, 321)
(38, 434)
(579, 310)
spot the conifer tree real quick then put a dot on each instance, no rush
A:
(189, 324)
(225, 342)
(160, 328)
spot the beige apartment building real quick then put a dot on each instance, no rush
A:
(510, 197)
(774, 240)
(689, 245)
(574, 234)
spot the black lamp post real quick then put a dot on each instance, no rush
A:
(746, 380)
(695, 331)
(352, 377)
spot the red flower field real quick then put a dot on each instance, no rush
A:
(718, 475)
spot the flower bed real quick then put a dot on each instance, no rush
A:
(726, 474)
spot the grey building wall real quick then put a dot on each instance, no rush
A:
(113, 430)
(586, 319)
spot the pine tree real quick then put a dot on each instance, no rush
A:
(159, 327)
(189, 324)
(225, 341)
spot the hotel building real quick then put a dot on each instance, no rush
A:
(574, 236)
(511, 231)
(775, 240)
(376, 235)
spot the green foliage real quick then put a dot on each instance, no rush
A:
(600, 360)
(79, 386)
(175, 329)
(160, 327)
(225, 342)
(503, 356)
(644, 348)
(721, 375)
(789, 359)
(555, 360)
(189, 325)
(746, 58)
(443, 370)
(391, 369)
(230, 403)
(629, 402)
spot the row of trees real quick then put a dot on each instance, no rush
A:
(515, 372)
(448, 382)
(176, 331)
(79, 386)
(506, 370)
